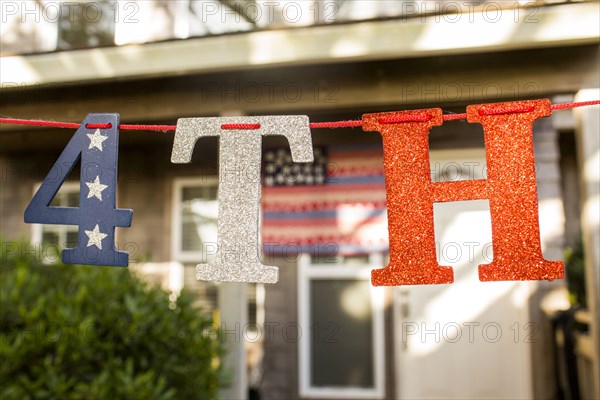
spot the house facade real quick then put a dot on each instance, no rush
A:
(322, 331)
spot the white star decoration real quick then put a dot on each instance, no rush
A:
(95, 188)
(96, 140)
(95, 237)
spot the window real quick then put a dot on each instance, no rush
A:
(194, 239)
(54, 238)
(195, 216)
(341, 316)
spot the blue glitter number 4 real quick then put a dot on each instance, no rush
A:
(96, 215)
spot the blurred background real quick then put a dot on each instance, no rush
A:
(322, 331)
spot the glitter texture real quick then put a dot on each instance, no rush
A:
(512, 190)
(409, 198)
(96, 140)
(237, 257)
(510, 187)
(95, 237)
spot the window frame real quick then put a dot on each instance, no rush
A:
(179, 184)
(308, 271)
(37, 229)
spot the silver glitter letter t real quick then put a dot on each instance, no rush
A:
(238, 255)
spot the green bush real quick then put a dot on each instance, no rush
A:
(575, 269)
(82, 332)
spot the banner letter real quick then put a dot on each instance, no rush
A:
(239, 186)
(510, 186)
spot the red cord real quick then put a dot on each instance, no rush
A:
(98, 126)
(37, 122)
(336, 124)
(514, 110)
(564, 106)
(314, 125)
(129, 127)
(240, 126)
(423, 117)
(453, 117)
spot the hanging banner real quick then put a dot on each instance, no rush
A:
(510, 187)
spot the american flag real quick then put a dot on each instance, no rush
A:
(281, 171)
(345, 214)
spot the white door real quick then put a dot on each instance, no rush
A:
(469, 339)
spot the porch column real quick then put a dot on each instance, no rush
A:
(233, 311)
(588, 145)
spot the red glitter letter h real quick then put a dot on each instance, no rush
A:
(510, 187)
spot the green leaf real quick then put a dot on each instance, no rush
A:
(79, 332)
